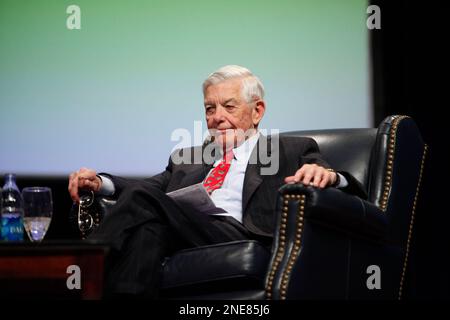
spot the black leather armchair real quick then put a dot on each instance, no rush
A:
(326, 242)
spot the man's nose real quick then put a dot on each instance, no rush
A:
(218, 115)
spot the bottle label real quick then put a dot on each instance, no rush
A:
(12, 227)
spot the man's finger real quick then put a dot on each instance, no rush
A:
(307, 178)
(74, 190)
(90, 185)
(325, 181)
(70, 182)
(89, 175)
(299, 175)
(82, 182)
(290, 179)
(74, 195)
(318, 175)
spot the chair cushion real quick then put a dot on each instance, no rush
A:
(219, 267)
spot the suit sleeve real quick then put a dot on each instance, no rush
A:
(159, 181)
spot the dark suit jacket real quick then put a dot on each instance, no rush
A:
(259, 191)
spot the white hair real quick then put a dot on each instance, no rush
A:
(252, 88)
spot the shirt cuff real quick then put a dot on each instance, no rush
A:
(107, 188)
(342, 181)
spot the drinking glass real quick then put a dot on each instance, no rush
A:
(38, 210)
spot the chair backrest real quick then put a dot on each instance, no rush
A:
(347, 150)
(388, 161)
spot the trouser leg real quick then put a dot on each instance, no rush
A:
(144, 227)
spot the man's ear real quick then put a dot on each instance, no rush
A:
(258, 112)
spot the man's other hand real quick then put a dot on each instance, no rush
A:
(313, 175)
(83, 179)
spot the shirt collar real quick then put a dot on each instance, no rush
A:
(243, 152)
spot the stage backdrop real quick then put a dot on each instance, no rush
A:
(110, 94)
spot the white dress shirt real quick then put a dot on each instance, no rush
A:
(229, 195)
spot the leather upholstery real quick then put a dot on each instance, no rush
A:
(233, 264)
(325, 239)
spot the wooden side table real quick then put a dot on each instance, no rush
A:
(52, 269)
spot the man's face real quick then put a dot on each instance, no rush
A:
(228, 115)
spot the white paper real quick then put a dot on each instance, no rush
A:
(196, 197)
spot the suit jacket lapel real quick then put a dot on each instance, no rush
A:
(253, 178)
(252, 181)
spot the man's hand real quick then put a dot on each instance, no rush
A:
(85, 179)
(313, 175)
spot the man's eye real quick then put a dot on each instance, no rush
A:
(209, 110)
(229, 107)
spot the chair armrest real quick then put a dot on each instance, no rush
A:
(308, 218)
(335, 209)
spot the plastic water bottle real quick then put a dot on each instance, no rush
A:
(12, 210)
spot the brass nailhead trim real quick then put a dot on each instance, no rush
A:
(411, 224)
(390, 162)
(294, 253)
(281, 246)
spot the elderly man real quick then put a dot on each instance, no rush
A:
(146, 225)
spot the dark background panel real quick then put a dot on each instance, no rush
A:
(408, 62)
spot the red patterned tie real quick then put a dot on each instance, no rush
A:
(217, 175)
